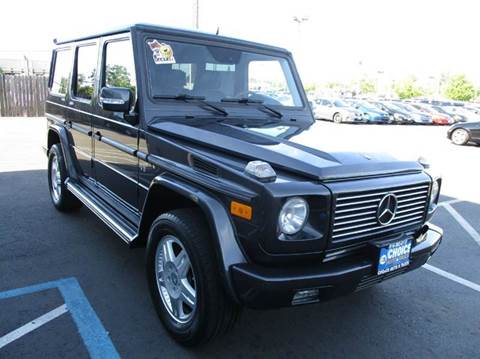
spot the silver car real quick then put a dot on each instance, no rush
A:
(336, 110)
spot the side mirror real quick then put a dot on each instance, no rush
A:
(116, 99)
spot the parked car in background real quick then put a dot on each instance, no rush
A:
(336, 110)
(463, 133)
(397, 114)
(475, 108)
(371, 113)
(469, 115)
(419, 117)
(438, 118)
(447, 110)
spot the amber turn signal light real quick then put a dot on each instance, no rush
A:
(241, 210)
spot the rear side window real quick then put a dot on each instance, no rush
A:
(119, 65)
(61, 72)
(86, 66)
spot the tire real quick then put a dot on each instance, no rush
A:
(337, 118)
(210, 312)
(61, 197)
(460, 137)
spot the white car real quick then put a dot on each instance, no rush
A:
(336, 110)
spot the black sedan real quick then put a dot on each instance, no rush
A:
(462, 133)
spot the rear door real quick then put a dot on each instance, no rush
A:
(79, 108)
(115, 140)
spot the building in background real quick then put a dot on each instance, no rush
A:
(12, 63)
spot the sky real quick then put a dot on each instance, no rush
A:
(342, 40)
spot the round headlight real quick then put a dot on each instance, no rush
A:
(293, 215)
(434, 192)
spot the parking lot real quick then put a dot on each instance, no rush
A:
(70, 288)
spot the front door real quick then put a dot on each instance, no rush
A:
(116, 141)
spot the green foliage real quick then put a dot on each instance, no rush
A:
(63, 86)
(118, 76)
(367, 86)
(1, 71)
(333, 85)
(409, 88)
(460, 88)
(310, 87)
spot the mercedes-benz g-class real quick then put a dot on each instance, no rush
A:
(194, 146)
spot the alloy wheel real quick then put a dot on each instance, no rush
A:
(55, 179)
(175, 279)
(460, 136)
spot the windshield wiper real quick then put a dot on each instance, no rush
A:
(185, 97)
(247, 100)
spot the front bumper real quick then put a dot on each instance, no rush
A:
(265, 287)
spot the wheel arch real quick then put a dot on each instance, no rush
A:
(52, 138)
(59, 135)
(167, 192)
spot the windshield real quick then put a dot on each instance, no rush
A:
(369, 106)
(408, 107)
(216, 73)
(393, 107)
(340, 103)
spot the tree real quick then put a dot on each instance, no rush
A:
(367, 86)
(118, 76)
(409, 88)
(310, 87)
(460, 88)
(1, 71)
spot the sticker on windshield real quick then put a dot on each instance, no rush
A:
(162, 52)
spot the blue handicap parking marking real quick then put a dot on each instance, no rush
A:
(89, 326)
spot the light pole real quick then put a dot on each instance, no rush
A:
(196, 14)
(300, 20)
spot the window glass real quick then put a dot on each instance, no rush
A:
(61, 73)
(86, 67)
(119, 65)
(268, 78)
(218, 73)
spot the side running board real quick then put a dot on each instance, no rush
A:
(121, 226)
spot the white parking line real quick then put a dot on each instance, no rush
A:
(451, 201)
(34, 324)
(453, 277)
(463, 222)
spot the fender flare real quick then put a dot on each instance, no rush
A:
(224, 239)
(68, 154)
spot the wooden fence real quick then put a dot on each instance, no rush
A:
(22, 95)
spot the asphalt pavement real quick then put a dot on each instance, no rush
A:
(48, 259)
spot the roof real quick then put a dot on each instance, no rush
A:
(175, 32)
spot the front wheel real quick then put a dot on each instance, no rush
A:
(337, 118)
(184, 279)
(460, 136)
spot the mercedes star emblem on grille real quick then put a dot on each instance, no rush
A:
(387, 209)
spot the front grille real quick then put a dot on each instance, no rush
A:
(356, 213)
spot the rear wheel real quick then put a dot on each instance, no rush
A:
(184, 280)
(337, 118)
(62, 199)
(460, 136)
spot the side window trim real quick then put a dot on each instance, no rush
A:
(53, 71)
(73, 82)
(103, 64)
